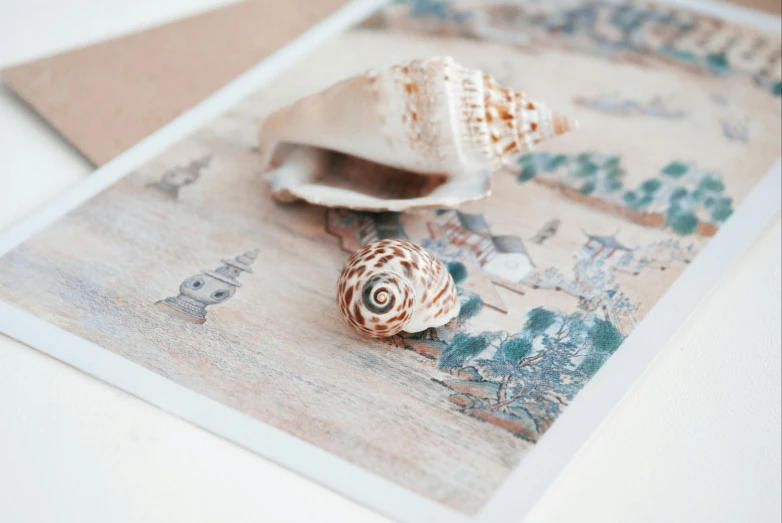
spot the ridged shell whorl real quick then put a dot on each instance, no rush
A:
(444, 117)
(393, 285)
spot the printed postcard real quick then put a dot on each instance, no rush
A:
(188, 268)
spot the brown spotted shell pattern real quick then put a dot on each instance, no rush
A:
(390, 286)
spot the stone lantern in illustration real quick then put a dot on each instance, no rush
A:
(180, 176)
(208, 288)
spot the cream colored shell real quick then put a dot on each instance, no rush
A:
(432, 116)
(393, 285)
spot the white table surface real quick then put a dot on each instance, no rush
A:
(697, 439)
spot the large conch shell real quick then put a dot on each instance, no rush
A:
(432, 117)
(392, 285)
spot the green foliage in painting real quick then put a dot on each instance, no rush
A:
(538, 320)
(586, 169)
(650, 186)
(535, 164)
(536, 369)
(613, 182)
(528, 172)
(682, 194)
(670, 194)
(675, 169)
(718, 62)
(470, 308)
(591, 365)
(458, 271)
(516, 349)
(711, 183)
(556, 162)
(604, 337)
(721, 209)
(462, 347)
(682, 222)
(678, 194)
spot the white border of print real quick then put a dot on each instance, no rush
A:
(547, 458)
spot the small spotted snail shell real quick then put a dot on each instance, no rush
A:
(393, 285)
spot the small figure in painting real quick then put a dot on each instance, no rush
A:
(180, 176)
(208, 288)
(548, 230)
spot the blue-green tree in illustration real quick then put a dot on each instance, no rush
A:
(470, 307)
(697, 196)
(458, 271)
(537, 370)
(686, 198)
(462, 347)
(605, 339)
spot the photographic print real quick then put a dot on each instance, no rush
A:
(189, 269)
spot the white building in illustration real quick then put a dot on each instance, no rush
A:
(510, 261)
(501, 256)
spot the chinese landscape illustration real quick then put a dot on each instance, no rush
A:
(187, 267)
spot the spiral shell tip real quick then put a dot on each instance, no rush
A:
(563, 124)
